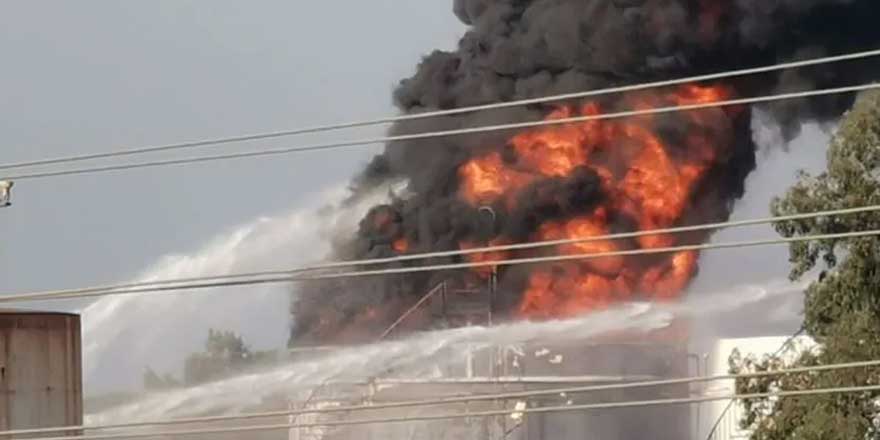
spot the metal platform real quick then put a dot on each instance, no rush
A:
(524, 367)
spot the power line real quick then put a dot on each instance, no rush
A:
(440, 287)
(587, 256)
(461, 252)
(729, 406)
(454, 400)
(456, 132)
(450, 112)
(478, 414)
(93, 292)
(616, 236)
(314, 392)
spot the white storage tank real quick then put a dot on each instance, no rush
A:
(720, 419)
(40, 370)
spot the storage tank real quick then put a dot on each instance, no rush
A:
(614, 361)
(40, 369)
(721, 420)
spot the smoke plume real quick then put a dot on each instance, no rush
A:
(585, 179)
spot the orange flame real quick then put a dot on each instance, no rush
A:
(558, 150)
(644, 179)
(584, 228)
(486, 179)
(485, 257)
(401, 245)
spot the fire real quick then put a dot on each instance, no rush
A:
(552, 152)
(692, 94)
(558, 151)
(668, 280)
(487, 179)
(485, 270)
(401, 245)
(648, 181)
(567, 290)
(657, 187)
(584, 228)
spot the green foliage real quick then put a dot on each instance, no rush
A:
(154, 382)
(225, 353)
(842, 308)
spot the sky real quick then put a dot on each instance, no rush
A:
(92, 76)
(99, 75)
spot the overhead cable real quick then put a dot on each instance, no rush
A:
(94, 292)
(450, 112)
(477, 250)
(454, 400)
(445, 133)
(730, 405)
(480, 414)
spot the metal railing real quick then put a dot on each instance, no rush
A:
(727, 426)
(437, 289)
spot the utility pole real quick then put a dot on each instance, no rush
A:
(6, 193)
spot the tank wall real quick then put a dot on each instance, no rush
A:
(561, 365)
(611, 359)
(40, 371)
(665, 422)
(629, 362)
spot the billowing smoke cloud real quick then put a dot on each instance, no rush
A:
(518, 49)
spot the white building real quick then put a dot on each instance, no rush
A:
(719, 420)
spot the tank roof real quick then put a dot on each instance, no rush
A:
(9, 311)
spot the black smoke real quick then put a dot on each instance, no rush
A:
(520, 49)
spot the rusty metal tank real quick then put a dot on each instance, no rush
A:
(40, 370)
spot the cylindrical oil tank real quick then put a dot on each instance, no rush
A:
(613, 361)
(40, 370)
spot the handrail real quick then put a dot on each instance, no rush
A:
(730, 405)
(412, 310)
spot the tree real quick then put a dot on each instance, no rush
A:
(841, 308)
(154, 382)
(225, 354)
